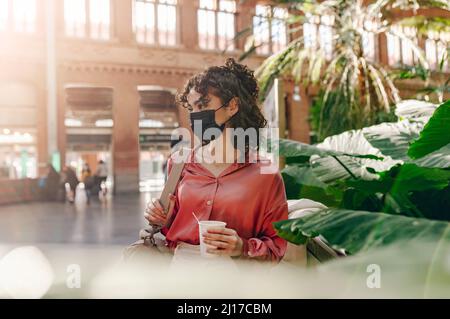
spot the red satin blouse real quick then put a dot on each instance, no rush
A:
(242, 196)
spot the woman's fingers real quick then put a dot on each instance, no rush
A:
(155, 205)
(158, 205)
(224, 231)
(221, 252)
(217, 237)
(152, 208)
(153, 219)
(214, 249)
(218, 244)
(171, 204)
(155, 214)
(221, 234)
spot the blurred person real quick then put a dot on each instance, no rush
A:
(88, 180)
(100, 176)
(224, 97)
(69, 177)
(4, 171)
(51, 183)
(85, 172)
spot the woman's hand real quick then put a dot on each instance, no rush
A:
(155, 214)
(223, 241)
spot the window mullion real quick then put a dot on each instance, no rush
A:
(156, 33)
(145, 23)
(178, 25)
(87, 26)
(10, 22)
(235, 21)
(216, 27)
(269, 22)
(111, 19)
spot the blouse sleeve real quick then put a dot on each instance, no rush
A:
(268, 245)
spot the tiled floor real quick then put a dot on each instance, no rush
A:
(115, 223)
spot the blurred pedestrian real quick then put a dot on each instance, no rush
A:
(69, 177)
(51, 184)
(88, 180)
(101, 175)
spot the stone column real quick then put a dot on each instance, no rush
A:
(51, 65)
(41, 119)
(125, 139)
(298, 113)
(62, 136)
(383, 55)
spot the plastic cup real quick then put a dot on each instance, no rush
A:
(203, 226)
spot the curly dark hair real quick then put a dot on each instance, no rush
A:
(231, 80)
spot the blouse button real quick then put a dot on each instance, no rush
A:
(209, 203)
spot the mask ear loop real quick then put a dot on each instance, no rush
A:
(225, 104)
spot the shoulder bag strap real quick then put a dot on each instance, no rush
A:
(173, 179)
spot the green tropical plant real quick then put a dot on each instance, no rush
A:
(355, 91)
(359, 231)
(434, 135)
(375, 201)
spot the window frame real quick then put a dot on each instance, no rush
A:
(437, 38)
(216, 12)
(270, 20)
(369, 28)
(87, 27)
(399, 43)
(10, 25)
(156, 42)
(316, 21)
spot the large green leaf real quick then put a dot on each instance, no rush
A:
(333, 168)
(414, 109)
(355, 142)
(290, 148)
(408, 190)
(394, 139)
(435, 135)
(300, 182)
(358, 231)
(389, 141)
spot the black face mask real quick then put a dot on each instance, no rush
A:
(206, 120)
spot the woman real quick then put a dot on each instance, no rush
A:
(235, 192)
